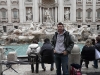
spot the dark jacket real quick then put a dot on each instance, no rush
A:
(46, 53)
(88, 53)
(97, 46)
(68, 42)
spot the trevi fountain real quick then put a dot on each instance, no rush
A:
(46, 29)
(40, 31)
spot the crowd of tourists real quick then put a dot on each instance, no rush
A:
(59, 47)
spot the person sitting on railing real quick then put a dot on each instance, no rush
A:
(33, 48)
(46, 53)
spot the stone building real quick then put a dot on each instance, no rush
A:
(20, 13)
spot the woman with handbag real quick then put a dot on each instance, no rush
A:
(97, 46)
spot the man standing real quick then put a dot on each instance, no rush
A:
(63, 45)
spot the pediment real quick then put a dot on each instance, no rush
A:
(14, 2)
(3, 2)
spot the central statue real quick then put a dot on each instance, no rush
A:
(48, 16)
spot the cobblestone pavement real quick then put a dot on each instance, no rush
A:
(26, 70)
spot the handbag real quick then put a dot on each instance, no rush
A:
(75, 69)
(97, 54)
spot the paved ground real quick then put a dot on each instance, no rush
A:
(26, 70)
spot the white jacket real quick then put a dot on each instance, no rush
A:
(33, 48)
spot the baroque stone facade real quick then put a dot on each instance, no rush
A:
(19, 13)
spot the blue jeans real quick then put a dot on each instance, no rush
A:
(43, 66)
(95, 63)
(61, 61)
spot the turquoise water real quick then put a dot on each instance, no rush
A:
(21, 49)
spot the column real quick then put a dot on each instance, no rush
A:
(24, 13)
(36, 11)
(40, 13)
(21, 10)
(73, 11)
(84, 10)
(0, 64)
(56, 12)
(9, 10)
(94, 10)
(60, 11)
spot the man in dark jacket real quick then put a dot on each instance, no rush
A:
(97, 46)
(63, 44)
(88, 52)
(47, 54)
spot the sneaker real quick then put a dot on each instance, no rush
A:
(95, 67)
(51, 69)
(44, 69)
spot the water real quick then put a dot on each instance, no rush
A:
(21, 49)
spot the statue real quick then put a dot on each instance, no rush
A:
(48, 17)
(29, 15)
(67, 14)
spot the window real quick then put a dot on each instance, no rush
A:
(98, 13)
(29, 0)
(79, 0)
(3, 13)
(15, 13)
(79, 14)
(88, 14)
(16, 27)
(4, 28)
(89, 0)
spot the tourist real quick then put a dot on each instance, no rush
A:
(34, 47)
(47, 55)
(97, 46)
(87, 53)
(63, 44)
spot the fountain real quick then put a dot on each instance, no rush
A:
(47, 29)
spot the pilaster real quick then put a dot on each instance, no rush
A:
(60, 11)
(36, 11)
(94, 10)
(84, 10)
(21, 10)
(73, 11)
(9, 10)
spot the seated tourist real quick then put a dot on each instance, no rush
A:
(46, 53)
(34, 47)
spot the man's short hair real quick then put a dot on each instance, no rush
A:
(35, 41)
(60, 24)
(46, 40)
(98, 38)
